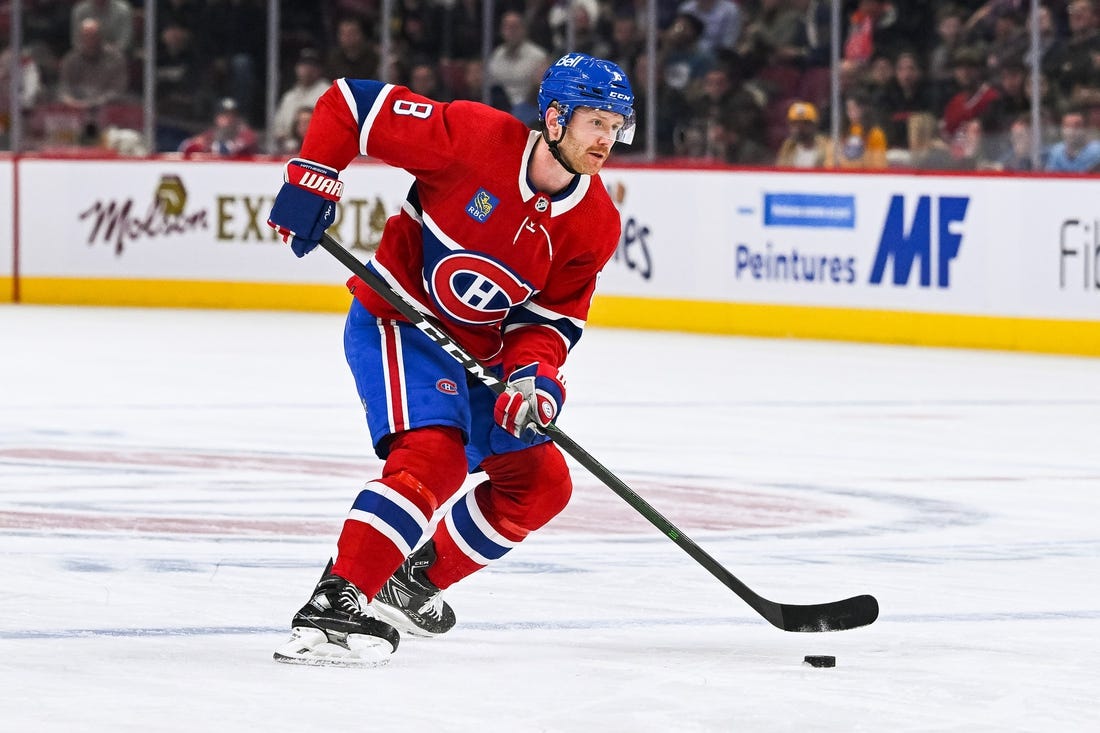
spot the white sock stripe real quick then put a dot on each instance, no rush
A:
(392, 494)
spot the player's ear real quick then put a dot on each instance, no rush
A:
(551, 121)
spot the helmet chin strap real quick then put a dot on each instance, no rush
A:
(553, 145)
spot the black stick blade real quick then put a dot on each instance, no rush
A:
(851, 613)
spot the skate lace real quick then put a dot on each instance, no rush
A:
(433, 606)
(348, 601)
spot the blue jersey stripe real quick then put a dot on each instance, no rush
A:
(372, 503)
(570, 331)
(366, 93)
(472, 534)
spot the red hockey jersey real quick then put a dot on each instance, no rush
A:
(508, 270)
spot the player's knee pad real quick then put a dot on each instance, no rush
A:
(434, 455)
(528, 488)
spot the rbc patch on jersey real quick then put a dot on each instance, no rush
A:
(482, 205)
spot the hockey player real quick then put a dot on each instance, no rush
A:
(500, 240)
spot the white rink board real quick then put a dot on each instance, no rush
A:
(107, 228)
(977, 245)
(7, 254)
(990, 245)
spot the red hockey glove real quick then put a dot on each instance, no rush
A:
(306, 204)
(532, 400)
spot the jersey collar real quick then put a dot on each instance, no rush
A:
(562, 202)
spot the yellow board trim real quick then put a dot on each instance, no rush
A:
(744, 319)
(850, 324)
(7, 289)
(184, 294)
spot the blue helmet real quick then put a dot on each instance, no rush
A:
(579, 80)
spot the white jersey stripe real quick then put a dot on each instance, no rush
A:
(393, 372)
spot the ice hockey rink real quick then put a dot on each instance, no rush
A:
(172, 482)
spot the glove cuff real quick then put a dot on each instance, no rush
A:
(314, 177)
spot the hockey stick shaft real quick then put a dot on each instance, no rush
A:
(849, 613)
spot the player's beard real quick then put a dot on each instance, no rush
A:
(584, 159)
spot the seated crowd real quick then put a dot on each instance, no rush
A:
(738, 82)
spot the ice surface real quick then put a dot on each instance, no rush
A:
(171, 483)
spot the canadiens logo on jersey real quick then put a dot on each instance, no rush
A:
(475, 289)
(482, 205)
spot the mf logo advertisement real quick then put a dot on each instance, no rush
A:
(192, 221)
(980, 245)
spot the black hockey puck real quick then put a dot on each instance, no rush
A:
(819, 661)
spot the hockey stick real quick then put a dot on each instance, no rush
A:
(849, 613)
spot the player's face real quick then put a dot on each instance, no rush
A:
(588, 139)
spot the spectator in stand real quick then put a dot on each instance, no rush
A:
(1049, 40)
(1009, 39)
(416, 36)
(181, 103)
(516, 63)
(862, 142)
(234, 45)
(30, 80)
(877, 77)
(981, 25)
(907, 93)
(424, 80)
(1075, 63)
(926, 150)
(309, 84)
(772, 37)
(459, 30)
(473, 81)
(720, 97)
(627, 41)
(949, 25)
(1018, 155)
(1075, 153)
(230, 136)
(1013, 97)
(805, 146)
(588, 37)
(292, 143)
(116, 22)
(721, 122)
(669, 103)
(666, 11)
(683, 59)
(974, 96)
(722, 22)
(969, 148)
(184, 13)
(353, 56)
(725, 143)
(870, 30)
(92, 73)
(816, 31)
